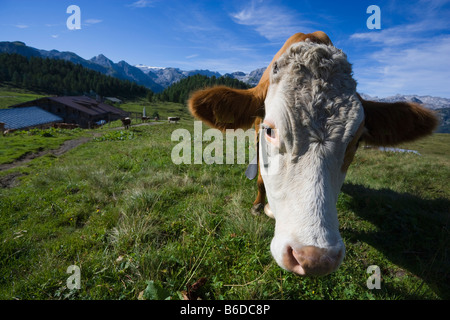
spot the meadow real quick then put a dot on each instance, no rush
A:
(140, 227)
(10, 96)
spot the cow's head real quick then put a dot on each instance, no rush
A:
(312, 123)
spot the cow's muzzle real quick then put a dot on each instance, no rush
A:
(312, 261)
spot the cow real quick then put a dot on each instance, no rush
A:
(173, 119)
(126, 122)
(65, 125)
(309, 120)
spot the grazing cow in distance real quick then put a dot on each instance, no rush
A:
(126, 122)
(65, 125)
(309, 121)
(174, 119)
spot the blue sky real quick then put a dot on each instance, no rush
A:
(410, 54)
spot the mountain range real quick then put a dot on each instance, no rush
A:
(157, 79)
(429, 101)
(167, 76)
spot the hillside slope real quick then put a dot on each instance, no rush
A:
(133, 221)
(121, 70)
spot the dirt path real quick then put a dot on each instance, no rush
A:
(66, 146)
(9, 180)
(27, 157)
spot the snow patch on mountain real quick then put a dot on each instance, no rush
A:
(430, 102)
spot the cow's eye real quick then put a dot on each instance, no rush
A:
(270, 133)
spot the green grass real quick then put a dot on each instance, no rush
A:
(132, 220)
(139, 226)
(398, 205)
(164, 109)
(10, 96)
(20, 143)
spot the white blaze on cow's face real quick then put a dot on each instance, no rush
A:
(309, 136)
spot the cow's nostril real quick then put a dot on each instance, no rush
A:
(291, 263)
(311, 261)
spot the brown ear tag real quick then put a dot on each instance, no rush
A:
(252, 169)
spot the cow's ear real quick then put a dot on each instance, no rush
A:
(393, 123)
(227, 108)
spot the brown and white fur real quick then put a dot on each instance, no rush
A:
(310, 120)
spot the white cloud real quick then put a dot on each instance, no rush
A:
(54, 36)
(402, 34)
(406, 59)
(142, 4)
(270, 21)
(92, 21)
(422, 68)
(21, 26)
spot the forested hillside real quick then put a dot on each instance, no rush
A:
(444, 116)
(61, 77)
(179, 92)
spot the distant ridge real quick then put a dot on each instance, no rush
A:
(428, 101)
(159, 78)
(154, 78)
